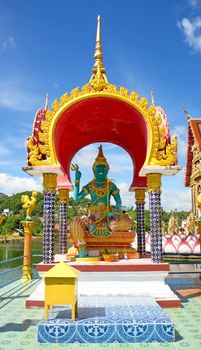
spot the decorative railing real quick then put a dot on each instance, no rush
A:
(10, 274)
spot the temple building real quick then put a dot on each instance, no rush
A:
(193, 162)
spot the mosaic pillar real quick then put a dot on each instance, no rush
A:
(49, 184)
(63, 203)
(140, 202)
(154, 185)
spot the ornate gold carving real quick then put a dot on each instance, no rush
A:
(160, 153)
(63, 195)
(123, 91)
(29, 204)
(49, 182)
(28, 227)
(144, 103)
(74, 93)
(166, 155)
(134, 96)
(55, 105)
(35, 153)
(64, 99)
(154, 182)
(98, 81)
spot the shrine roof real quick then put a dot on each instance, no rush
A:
(194, 138)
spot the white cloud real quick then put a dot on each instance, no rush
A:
(194, 3)
(16, 96)
(8, 44)
(12, 184)
(169, 201)
(119, 161)
(181, 132)
(191, 30)
(180, 200)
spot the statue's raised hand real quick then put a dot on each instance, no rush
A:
(74, 167)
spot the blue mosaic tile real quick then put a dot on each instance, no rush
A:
(108, 320)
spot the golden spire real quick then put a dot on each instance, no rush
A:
(98, 55)
(98, 79)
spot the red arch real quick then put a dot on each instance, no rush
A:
(102, 119)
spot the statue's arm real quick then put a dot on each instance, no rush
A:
(77, 194)
(117, 198)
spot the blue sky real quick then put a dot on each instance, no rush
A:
(48, 46)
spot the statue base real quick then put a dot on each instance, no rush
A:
(117, 242)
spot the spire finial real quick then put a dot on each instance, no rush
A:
(98, 80)
(100, 159)
(46, 100)
(98, 55)
(152, 97)
(188, 116)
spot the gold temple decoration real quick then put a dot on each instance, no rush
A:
(29, 204)
(63, 195)
(140, 195)
(154, 182)
(100, 159)
(98, 79)
(159, 152)
(49, 182)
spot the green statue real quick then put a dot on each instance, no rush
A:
(102, 218)
(100, 189)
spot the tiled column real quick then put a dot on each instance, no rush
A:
(63, 203)
(49, 184)
(154, 185)
(140, 202)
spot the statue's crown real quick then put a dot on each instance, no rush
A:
(100, 159)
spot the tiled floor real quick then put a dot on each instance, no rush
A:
(101, 319)
(18, 326)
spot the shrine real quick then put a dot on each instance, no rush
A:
(102, 242)
(101, 112)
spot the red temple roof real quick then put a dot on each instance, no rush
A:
(194, 138)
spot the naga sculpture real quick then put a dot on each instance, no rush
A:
(102, 219)
(29, 204)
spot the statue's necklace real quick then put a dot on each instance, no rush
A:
(99, 191)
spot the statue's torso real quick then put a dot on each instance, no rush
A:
(100, 193)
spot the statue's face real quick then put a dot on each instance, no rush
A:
(100, 172)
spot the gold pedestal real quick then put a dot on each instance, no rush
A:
(28, 229)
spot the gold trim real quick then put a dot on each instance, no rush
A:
(115, 192)
(63, 195)
(148, 113)
(154, 182)
(49, 182)
(85, 190)
(140, 195)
